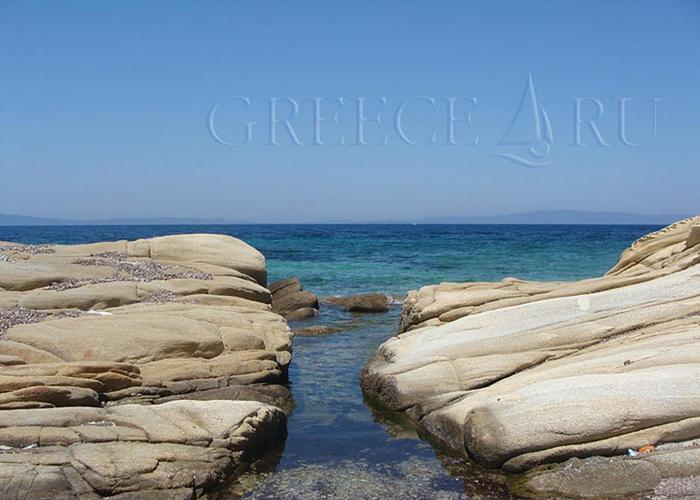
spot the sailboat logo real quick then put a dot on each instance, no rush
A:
(530, 115)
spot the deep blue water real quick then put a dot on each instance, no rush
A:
(337, 445)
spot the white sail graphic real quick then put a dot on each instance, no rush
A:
(532, 117)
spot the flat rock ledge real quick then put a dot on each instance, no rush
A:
(520, 374)
(669, 472)
(89, 331)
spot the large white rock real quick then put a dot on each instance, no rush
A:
(534, 374)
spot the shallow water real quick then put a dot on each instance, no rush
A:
(338, 446)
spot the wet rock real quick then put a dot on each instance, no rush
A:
(290, 300)
(310, 331)
(673, 471)
(285, 287)
(532, 374)
(294, 301)
(303, 313)
(363, 303)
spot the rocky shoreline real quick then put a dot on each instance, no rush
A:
(136, 368)
(545, 377)
(158, 368)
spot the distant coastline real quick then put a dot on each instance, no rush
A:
(554, 217)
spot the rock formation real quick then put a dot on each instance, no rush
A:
(362, 303)
(88, 330)
(290, 300)
(670, 471)
(181, 449)
(516, 374)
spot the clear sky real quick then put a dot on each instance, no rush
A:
(106, 108)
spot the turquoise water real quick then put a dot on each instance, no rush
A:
(338, 446)
(343, 259)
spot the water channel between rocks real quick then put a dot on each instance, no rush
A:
(340, 446)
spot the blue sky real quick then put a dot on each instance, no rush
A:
(104, 107)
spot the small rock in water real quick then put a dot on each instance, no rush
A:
(310, 331)
(289, 299)
(366, 302)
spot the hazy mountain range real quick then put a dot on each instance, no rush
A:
(538, 217)
(561, 217)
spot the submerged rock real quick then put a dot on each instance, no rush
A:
(407, 479)
(91, 329)
(310, 331)
(363, 303)
(516, 374)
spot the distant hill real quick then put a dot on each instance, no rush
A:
(561, 217)
(25, 220)
(538, 217)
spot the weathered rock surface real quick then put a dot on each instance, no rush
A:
(290, 300)
(180, 449)
(88, 330)
(174, 315)
(362, 303)
(517, 374)
(669, 472)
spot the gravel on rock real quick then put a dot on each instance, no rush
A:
(18, 315)
(135, 270)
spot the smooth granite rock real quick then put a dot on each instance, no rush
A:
(180, 449)
(517, 374)
(199, 319)
(89, 330)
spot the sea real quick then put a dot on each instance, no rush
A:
(338, 444)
